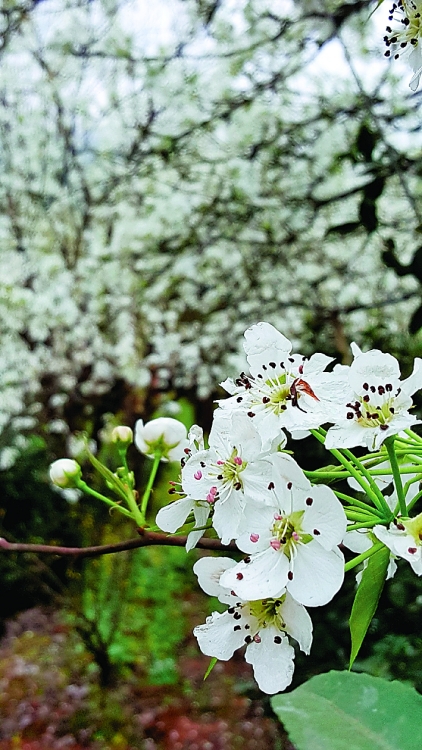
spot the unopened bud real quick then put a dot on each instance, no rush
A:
(164, 435)
(122, 434)
(65, 472)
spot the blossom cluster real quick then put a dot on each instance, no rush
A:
(254, 493)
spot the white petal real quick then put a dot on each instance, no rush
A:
(227, 516)
(326, 515)
(264, 576)
(273, 663)
(195, 476)
(193, 539)
(173, 516)
(349, 435)
(317, 574)
(256, 520)
(217, 636)
(286, 470)
(262, 341)
(357, 540)
(298, 622)
(414, 382)
(201, 513)
(374, 367)
(209, 571)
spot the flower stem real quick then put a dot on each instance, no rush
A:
(363, 507)
(362, 525)
(363, 556)
(148, 488)
(360, 473)
(389, 444)
(89, 491)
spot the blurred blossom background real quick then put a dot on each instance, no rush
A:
(171, 172)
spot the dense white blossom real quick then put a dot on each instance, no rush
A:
(158, 196)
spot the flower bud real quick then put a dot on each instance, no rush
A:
(164, 435)
(65, 472)
(122, 434)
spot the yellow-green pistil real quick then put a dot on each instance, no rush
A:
(268, 612)
(231, 469)
(287, 533)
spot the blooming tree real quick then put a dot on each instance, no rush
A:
(162, 188)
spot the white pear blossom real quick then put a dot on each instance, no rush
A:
(404, 539)
(406, 39)
(292, 544)
(376, 402)
(282, 390)
(264, 626)
(162, 435)
(232, 471)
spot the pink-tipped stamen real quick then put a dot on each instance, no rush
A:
(198, 474)
(275, 543)
(254, 537)
(237, 460)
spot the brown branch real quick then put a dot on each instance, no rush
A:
(146, 539)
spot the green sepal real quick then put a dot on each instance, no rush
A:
(367, 598)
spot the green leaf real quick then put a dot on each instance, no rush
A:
(350, 711)
(210, 667)
(367, 598)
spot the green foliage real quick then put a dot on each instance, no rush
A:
(131, 610)
(367, 598)
(343, 710)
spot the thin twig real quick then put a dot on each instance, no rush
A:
(146, 539)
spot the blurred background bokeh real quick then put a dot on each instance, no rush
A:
(171, 172)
